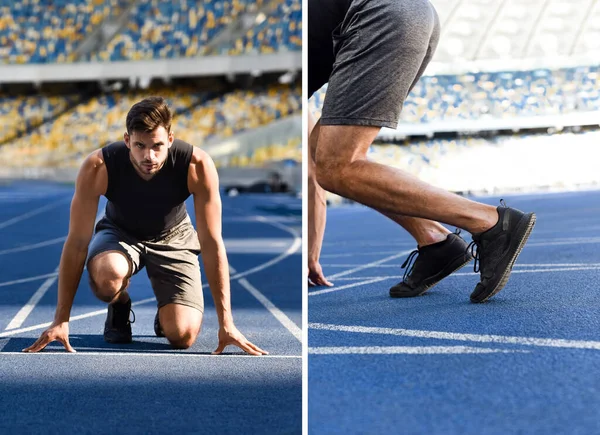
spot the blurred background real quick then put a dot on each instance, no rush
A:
(510, 102)
(230, 69)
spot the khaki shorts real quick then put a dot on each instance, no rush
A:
(171, 262)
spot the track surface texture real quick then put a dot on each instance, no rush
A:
(527, 361)
(147, 387)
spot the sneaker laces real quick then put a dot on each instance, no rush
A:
(473, 248)
(413, 255)
(122, 316)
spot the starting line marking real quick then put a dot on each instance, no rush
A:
(478, 338)
(144, 354)
(410, 350)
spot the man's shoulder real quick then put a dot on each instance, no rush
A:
(202, 170)
(200, 157)
(92, 173)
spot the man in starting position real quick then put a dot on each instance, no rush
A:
(146, 179)
(372, 53)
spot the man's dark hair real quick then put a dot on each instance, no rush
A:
(149, 114)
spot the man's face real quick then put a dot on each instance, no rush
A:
(149, 151)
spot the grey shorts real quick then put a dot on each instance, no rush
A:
(380, 50)
(171, 262)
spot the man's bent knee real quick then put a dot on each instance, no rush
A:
(109, 275)
(181, 338)
(339, 146)
(329, 173)
(180, 324)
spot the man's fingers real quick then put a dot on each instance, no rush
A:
(39, 344)
(323, 281)
(319, 279)
(220, 348)
(247, 348)
(67, 345)
(258, 349)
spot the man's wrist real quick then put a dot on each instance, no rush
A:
(227, 321)
(62, 315)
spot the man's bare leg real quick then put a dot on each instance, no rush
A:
(424, 231)
(342, 168)
(110, 273)
(180, 324)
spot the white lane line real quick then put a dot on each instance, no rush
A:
(257, 245)
(549, 270)
(368, 265)
(276, 312)
(479, 338)
(379, 266)
(593, 240)
(254, 218)
(516, 265)
(411, 350)
(276, 224)
(557, 264)
(347, 286)
(354, 254)
(72, 318)
(33, 246)
(233, 246)
(297, 243)
(293, 248)
(24, 312)
(32, 213)
(109, 354)
(31, 278)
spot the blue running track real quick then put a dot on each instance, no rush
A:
(147, 387)
(525, 362)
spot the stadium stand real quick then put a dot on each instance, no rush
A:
(281, 30)
(159, 29)
(200, 116)
(19, 113)
(292, 150)
(506, 94)
(46, 31)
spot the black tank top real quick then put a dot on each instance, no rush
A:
(147, 209)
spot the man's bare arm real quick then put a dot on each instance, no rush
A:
(203, 183)
(91, 182)
(204, 186)
(317, 209)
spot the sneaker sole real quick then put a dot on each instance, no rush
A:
(457, 264)
(506, 274)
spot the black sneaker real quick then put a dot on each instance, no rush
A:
(434, 263)
(117, 328)
(498, 249)
(157, 328)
